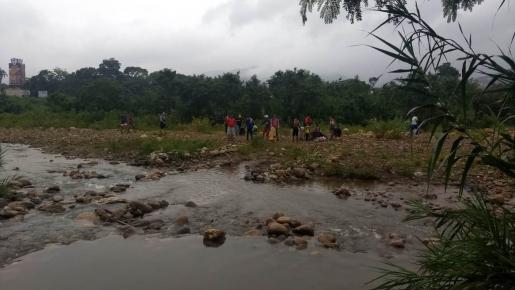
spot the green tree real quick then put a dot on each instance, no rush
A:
(296, 93)
(101, 95)
(353, 9)
(110, 68)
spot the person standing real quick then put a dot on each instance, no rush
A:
(231, 128)
(250, 128)
(239, 126)
(414, 126)
(332, 128)
(162, 121)
(266, 127)
(296, 128)
(308, 122)
(275, 127)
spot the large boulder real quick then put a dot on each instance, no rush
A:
(214, 238)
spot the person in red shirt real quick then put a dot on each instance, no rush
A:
(231, 128)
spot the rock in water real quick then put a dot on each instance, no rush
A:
(398, 243)
(181, 220)
(87, 219)
(342, 192)
(53, 189)
(300, 243)
(52, 208)
(277, 229)
(214, 238)
(305, 230)
(190, 204)
(139, 209)
(57, 198)
(253, 233)
(327, 240)
(184, 230)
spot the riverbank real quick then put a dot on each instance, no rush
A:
(357, 156)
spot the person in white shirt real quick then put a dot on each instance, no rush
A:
(414, 126)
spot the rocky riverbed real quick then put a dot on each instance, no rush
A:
(60, 201)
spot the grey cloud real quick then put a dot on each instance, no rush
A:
(213, 36)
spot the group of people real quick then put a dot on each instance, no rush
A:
(234, 126)
(238, 126)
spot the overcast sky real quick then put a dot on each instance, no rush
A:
(214, 36)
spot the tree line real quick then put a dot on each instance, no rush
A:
(287, 93)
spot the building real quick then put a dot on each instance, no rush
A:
(16, 72)
(16, 92)
(42, 94)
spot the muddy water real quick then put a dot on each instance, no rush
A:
(160, 261)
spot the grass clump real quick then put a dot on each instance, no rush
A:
(143, 147)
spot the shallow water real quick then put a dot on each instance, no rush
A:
(183, 263)
(225, 201)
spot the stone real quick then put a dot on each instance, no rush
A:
(23, 205)
(104, 214)
(277, 215)
(158, 204)
(327, 240)
(276, 229)
(57, 198)
(342, 192)
(184, 230)
(289, 221)
(53, 189)
(214, 238)
(259, 178)
(273, 241)
(395, 205)
(497, 199)
(139, 209)
(299, 172)
(181, 220)
(155, 225)
(127, 231)
(289, 242)
(253, 233)
(119, 188)
(190, 204)
(300, 243)
(140, 177)
(3, 202)
(398, 243)
(52, 208)
(305, 230)
(9, 213)
(87, 219)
